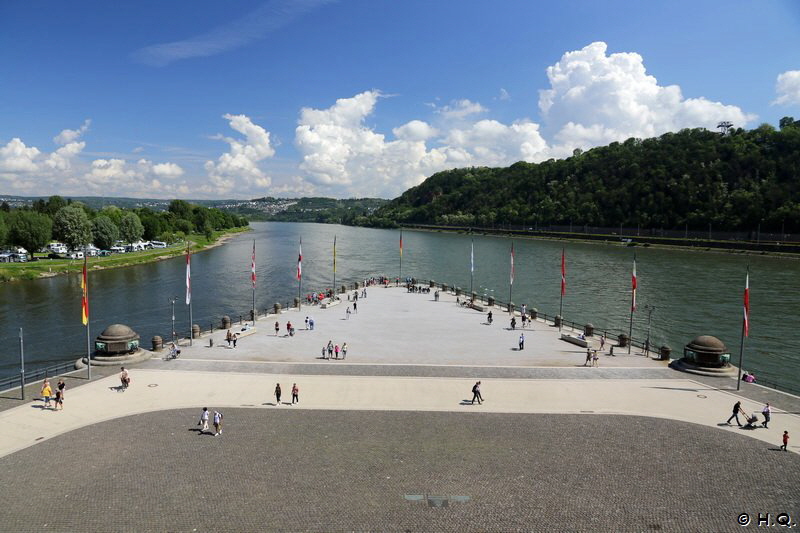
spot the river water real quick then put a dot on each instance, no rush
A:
(694, 293)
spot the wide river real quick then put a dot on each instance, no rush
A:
(693, 293)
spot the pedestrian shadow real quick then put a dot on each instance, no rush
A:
(775, 449)
(675, 388)
(201, 432)
(270, 403)
(466, 402)
(723, 424)
(42, 407)
(118, 388)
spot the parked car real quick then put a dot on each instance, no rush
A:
(118, 249)
(158, 244)
(104, 253)
(53, 255)
(75, 254)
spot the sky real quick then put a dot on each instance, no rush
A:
(365, 98)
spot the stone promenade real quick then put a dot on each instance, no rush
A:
(388, 439)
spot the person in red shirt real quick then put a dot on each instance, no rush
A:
(785, 441)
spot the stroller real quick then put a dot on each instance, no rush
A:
(752, 421)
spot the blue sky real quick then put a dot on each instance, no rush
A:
(361, 98)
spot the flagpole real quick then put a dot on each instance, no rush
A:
(741, 342)
(563, 284)
(511, 279)
(254, 283)
(471, 266)
(300, 273)
(633, 306)
(334, 264)
(189, 288)
(400, 274)
(88, 336)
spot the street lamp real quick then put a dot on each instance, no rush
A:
(172, 301)
(650, 309)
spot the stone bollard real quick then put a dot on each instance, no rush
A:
(277, 308)
(297, 302)
(356, 285)
(588, 330)
(226, 322)
(252, 318)
(444, 287)
(558, 321)
(622, 340)
(158, 343)
(534, 313)
(432, 284)
(458, 291)
(490, 301)
(344, 289)
(195, 331)
(664, 352)
(510, 307)
(474, 297)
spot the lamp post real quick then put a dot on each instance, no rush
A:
(172, 301)
(650, 309)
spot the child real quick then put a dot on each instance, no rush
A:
(785, 440)
(217, 423)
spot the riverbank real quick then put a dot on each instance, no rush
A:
(44, 268)
(777, 249)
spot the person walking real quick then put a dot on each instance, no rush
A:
(785, 441)
(203, 422)
(330, 349)
(217, 423)
(602, 342)
(311, 323)
(521, 341)
(235, 338)
(737, 408)
(355, 307)
(59, 401)
(289, 328)
(278, 394)
(324, 351)
(489, 317)
(306, 322)
(513, 322)
(124, 378)
(336, 351)
(476, 393)
(588, 357)
(295, 394)
(595, 359)
(766, 411)
(46, 392)
(229, 338)
(344, 350)
(277, 328)
(523, 318)
(348, 312)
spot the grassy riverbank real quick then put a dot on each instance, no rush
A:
(53, 267)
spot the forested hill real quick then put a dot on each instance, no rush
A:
(691, 178)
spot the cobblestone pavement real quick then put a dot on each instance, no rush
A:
(285, 469)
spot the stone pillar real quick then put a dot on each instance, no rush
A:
(297, 302)
(558, 320)
(444, 287)
(458, 291)
(277, 308)
(588, 330)
(510, 307)
(344, 289)
(226, 322)
(664, 352)
(356, 285)
(432, 284)
(534, 313)
(622, 340)
(195, 331)
(474, 297)
(158, 343)
(490, 301)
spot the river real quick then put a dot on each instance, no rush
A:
(693, 292)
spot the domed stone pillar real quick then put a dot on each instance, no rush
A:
(226, 322)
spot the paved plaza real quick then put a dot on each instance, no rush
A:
(388, 439)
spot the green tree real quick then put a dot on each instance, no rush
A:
(181, 209)
(130, 228)
(3, 230)
(71, 225)
(105, 232)
(29, 229)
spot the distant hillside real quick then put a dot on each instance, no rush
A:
(315, 209)
(692, 178)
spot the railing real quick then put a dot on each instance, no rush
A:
(35, 375)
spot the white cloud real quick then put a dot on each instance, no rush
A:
(68, 136)
(460, 109)
(167, 170)
(788, 88)
(416, 130)
(242, 159)
(597, 98)
(15, 156)
(62, 158)
(504, 95)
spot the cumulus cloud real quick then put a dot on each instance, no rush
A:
(241, 161)
(67, 136)
(460, 109)
(62, 158)
(15, 157)
(416, 130)
(596, 98)
(504, 95)
(122, 177)
(788, 88)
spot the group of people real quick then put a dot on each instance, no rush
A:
(295, 394)
(290, 327)
(752, 420)
(592, 359)
(216, 420)
(418, 288)
(231, 337)
(58, 398)
(332, 351)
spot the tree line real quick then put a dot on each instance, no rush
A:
(77, 225)
(736, 180)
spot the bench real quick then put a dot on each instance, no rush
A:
(583, 343)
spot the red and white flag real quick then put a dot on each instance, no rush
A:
(747, 305)
(253, 266)
(563, 273)
(633, 287)
(300, 262)
(188, 277)
(512, 263)
(85, 296)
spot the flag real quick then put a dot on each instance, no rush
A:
(188, 277)
(512, 263)
(563, 274)
(472, 257)
(300, 261)
(747, 305)
(253, 266)
(334, 254)
(401, 245)
(85, 296)
(633, 287)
